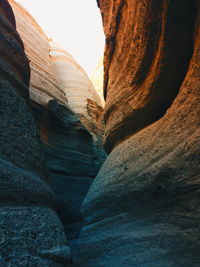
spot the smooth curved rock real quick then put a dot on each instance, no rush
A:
(71, 160)
(146, 59)
(143, 207)
(74, 155)
(71, 142)
(97, 79)
(44, 85)
(28, 223)
(73, 80)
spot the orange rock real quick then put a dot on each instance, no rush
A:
(143, 207)
(148, 48)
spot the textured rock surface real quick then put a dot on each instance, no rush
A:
(28, 224)
(97, 79)
(146, 59)
(72, 160)
(74, 155)
(143, 207)
(73, 80)
(44, 85)
(72, 142)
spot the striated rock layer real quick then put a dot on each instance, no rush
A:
(68, 113)
(73, 80)
(72, 158)
(30, 231)
(146, 60)
(143, 207)
(44, 85)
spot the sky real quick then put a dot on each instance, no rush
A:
(75, 24)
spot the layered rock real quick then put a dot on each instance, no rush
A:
(68, 113)
(30, 231)
(73, 80)
(44, 85)
(97, 79)
(146, 59)
(72, 159)
(143, 207)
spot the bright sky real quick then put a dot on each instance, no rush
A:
(75, 24)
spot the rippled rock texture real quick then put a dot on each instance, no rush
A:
(146, 60)
(73, 158)
(143, 207)
(30, 231)
(44, 84)
(70, 118)
(73, 80)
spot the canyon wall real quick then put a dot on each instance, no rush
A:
(73, 80)
(143, 207)
(44, 84)
(69, 116)
(97, 79)
(30, 231)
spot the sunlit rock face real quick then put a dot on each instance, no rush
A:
(97, 79)
(146, 60)
(30, 231)
(71, 125)
(73, 80)
(43, 83)
(143, 207)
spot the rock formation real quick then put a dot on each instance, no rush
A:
(30, 231)
(143, 207)
(97, 79)
(73, 80)
(68, 113)
(145, 85)
(44, 85)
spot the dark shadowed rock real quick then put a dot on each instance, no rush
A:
(65, 106)
(143, 207)
(28, 224)
(72, 156)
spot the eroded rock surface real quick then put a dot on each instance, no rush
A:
(28, 223)
(73, 80)
(72, 158)
(44, 85)
(146, 60)
(69, 116)
(97, 79)
(143, 207)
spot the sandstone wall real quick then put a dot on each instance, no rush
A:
(97, 79)
(30, 231)
(146, 60)
(143, 207)
(44, 85)
(68, 113)
(73, 80)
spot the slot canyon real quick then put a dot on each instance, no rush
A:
(102, 171)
